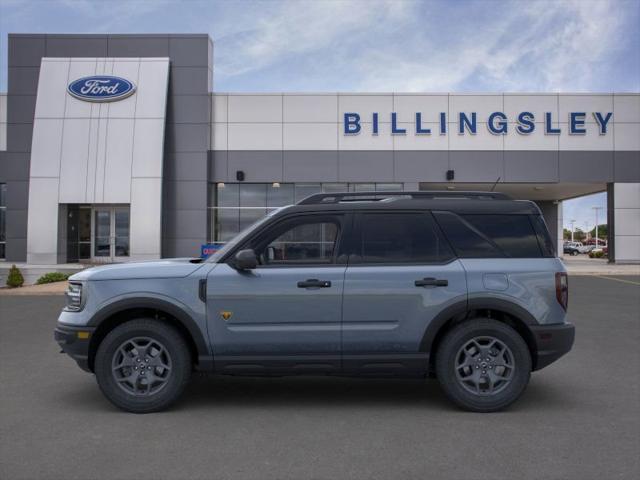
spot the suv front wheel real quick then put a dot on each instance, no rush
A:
(483, 365)
(143, 365)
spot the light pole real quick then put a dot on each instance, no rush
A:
(596, 209)
(572, 222)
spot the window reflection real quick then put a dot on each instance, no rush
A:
(234, 206)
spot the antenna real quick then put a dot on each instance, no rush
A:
(494, 185)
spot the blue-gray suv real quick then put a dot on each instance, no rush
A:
(463, 286)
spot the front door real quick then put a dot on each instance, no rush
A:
(401, 274)
(110, 234)
(286, 313)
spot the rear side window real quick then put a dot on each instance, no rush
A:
(401, 238)
(467, 241)
(544, 239)
(490, 236)
(513, 234)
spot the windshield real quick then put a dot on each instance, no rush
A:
(231, 244)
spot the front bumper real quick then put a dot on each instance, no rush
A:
(552, 342)
(75, 341)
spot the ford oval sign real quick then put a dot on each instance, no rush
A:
(101, 88)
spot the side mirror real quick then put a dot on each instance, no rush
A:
(246, 260)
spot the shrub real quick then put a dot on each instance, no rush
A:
(596, 254)
(15, 278)
(52, 277)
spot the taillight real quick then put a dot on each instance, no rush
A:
(562, 289)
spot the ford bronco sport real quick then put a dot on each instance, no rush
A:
(463, 286)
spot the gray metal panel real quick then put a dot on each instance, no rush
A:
(16, 223)
(23, 80)
(17, 195)
(26, 50)
(425, 166)
(530, 166)
(4, 165)
(586, 166)
(188, 109)
(187, 137)
(138, 46)
(189, 51)
(182, 247)
(16, 250)
(186, 195)
(626, 166)
(22, 108)
(310, 166)
(185, 166)
(16, 167)
(218, 166)
(258, 165)
(76, 46)
(477, 166)
(188, 80)
(186, 223)
(19, 137)
(365, 166)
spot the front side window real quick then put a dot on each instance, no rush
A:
(400, 238)
(300, 241)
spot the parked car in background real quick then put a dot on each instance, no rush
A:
(571, 248)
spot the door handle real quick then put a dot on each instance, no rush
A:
(431, 282)
(314, 283)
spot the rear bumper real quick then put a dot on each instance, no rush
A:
(552, 342)
(73, 344)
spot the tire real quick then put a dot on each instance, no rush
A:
(465, 379)
(575, 253)
(143, 365)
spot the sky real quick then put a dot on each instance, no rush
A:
(378, 45)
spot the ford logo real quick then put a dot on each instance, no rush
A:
(101, 88)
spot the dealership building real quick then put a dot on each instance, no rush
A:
(118, 147)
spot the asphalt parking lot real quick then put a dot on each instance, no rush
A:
(580, 418)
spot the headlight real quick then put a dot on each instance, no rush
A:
(74, 297)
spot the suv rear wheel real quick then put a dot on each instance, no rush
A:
(483, 365)
(143, 365)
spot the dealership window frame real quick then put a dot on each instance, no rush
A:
(234, 206)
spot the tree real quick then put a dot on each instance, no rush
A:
(578, 235)
(603, 231)
(15, 278)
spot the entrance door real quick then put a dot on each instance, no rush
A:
(110, 234)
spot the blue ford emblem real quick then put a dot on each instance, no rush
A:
(101, 88)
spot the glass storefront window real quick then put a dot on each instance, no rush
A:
(234, 206)
(305, 189)
(280, 194)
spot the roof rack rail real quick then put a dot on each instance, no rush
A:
(322, 198)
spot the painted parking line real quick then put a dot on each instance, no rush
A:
(618, 280)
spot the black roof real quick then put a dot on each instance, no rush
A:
(458, 202)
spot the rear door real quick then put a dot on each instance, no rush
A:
(401, 274)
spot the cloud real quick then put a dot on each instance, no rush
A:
(433, 46)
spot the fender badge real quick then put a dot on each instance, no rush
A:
(226, 315)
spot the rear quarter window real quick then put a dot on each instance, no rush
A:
(490, 236)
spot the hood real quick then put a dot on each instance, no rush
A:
(165, 268)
